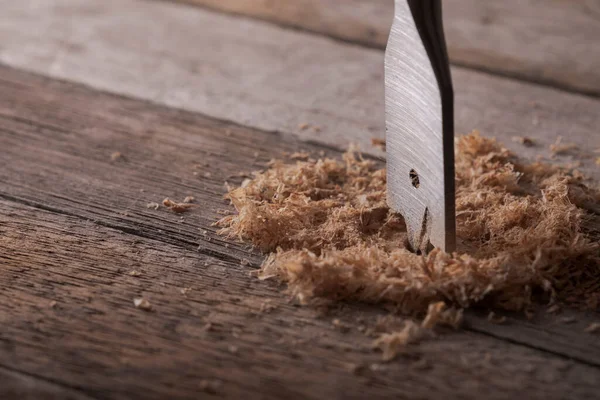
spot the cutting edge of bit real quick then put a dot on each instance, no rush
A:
(427, 222)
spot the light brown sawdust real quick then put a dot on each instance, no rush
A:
(559, 148)
(521, 227)
(177, 207)
(142, 304)
(524, 140)
(391, 344)
(594, 327)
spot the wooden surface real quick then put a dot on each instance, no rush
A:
(74, 220)
(255, 74)
(75, 224)
(548, 41)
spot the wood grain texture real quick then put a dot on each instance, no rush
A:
(17, 385)
(262, 76)
(552, 42)
(58, 138)
(217, 339)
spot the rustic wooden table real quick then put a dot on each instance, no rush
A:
(191, 95)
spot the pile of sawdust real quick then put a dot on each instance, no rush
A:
(523, 229)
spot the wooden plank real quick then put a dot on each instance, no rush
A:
(57, 140)
(262, 76)
(552, 42)
(94, 338)
(15, 385)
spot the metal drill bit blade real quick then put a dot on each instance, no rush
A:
(419, 125)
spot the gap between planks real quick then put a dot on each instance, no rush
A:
(552, 44)
(259, 75)
(59, 138)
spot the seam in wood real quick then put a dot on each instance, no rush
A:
(55, 382)
(562, 355)
(187, 245)
(549, 83)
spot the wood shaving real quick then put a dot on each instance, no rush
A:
(210, 386)
(154, 206)
(496, 319)
(553, 309)
(233, 349)
(522, 228)
(340, 326)
(440, 314)
(379, 143)
(116, 156)
(391, 344)
(301, 156)
(185, 291)
(142, 304)
(135, 273)
(177, 207)
(558, 148)
(593, 328)
(267, 307)
(524, 140)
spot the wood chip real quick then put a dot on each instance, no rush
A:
(135, 273)
(52, 304)
(379, 143)
(154, 206)
(594, 327)
(185, 291)
(189, 199)
(177, 207)
(300, 156)
(558, 148)
(303, 126)
(568, 320)
(553, 309)
(496, 319)
(233, 349)
(340, 326)
(142, 304)
(210, 386)
(116, 156)
(524, 140)
(438, 313)
(391, 344)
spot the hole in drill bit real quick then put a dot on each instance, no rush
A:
(414, 178)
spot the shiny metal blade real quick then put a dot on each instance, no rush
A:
(419, 125)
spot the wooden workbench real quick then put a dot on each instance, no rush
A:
(109, 105)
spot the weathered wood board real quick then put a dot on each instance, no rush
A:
(225, 336)
(553, 42)
(260, 75)
(59, 138)
(80, 166)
